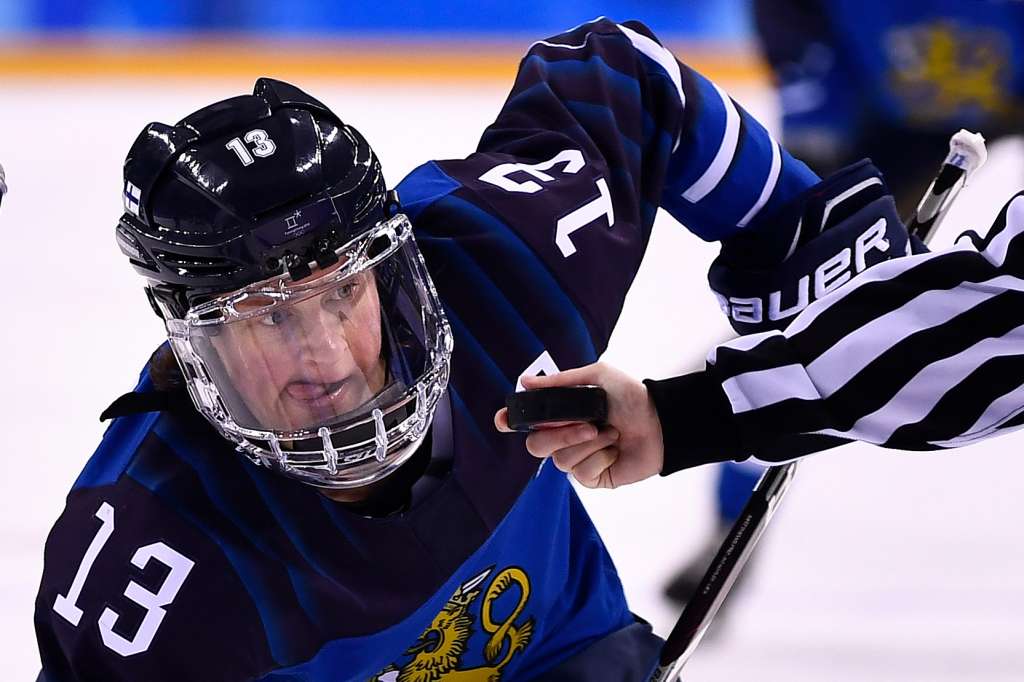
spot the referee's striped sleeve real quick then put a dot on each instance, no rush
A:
(917, 353)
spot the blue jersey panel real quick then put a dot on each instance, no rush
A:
(118, 446)
(485, 618)
(422, 187)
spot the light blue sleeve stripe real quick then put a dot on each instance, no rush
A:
(703, 133)
(723, 157)
(749, 177)
(767, 189)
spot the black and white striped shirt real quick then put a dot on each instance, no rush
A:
(917, 353)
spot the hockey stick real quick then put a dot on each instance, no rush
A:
(966, 154)
(732, 555)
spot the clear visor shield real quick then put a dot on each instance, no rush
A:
(321, 371)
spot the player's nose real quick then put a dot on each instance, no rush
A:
(324, 336)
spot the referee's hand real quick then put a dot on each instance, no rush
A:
(626, 450)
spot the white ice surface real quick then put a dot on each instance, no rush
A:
(879, 566)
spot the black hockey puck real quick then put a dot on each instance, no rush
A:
(528, 410)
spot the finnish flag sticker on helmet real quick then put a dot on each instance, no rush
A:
(132, 196)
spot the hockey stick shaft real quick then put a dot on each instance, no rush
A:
(732, 555)
(967, 153)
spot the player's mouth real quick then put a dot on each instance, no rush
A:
(315, 393)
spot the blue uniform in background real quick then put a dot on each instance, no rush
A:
(893, 80)
(175, 558)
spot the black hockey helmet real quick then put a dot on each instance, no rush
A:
(196, 223)
(295, 299)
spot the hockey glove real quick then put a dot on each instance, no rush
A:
(768, 273)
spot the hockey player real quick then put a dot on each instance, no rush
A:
(352, 346)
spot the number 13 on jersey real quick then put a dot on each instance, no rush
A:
(153, 602)
(570, 161)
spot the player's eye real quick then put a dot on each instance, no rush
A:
(346, 292)
(344, 296)
(274, 318)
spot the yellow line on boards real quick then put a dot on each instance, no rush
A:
(404, 60)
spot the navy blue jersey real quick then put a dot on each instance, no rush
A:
(178, 559)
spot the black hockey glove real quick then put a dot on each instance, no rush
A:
(771, 271)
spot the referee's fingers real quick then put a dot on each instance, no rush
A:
(568, 458)
(501, 420)
(592, 472)
(543, 442)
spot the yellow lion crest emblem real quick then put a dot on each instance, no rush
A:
(944, 66)
(437, 654)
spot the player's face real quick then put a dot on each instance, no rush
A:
(305, 363)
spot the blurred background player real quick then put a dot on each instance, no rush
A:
(889, 81)
(892, 80)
